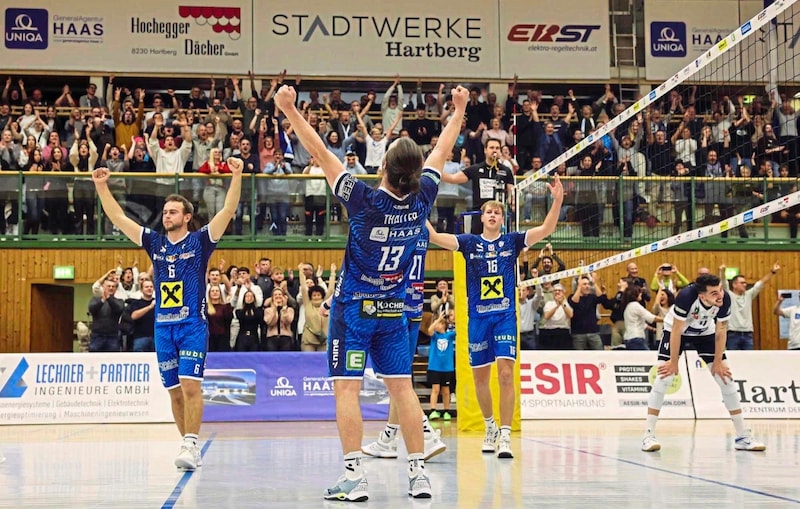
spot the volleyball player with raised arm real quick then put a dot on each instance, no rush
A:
(180, 259)
(700, 314)
(491, 275)
(367, 312)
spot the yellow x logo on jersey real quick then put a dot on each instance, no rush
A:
(491, 287)
(171, 294)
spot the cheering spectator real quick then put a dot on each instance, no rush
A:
(315, 201)
(251, 319)
(314, 337)
(105, 310)
(556, 315)
(636, 318)
(220, 314)
(142, 311)
(279, 316)
(91, 99)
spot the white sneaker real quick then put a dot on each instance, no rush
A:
(349, 491)
(381, 449)
(490, 439)
(746, 442)
(504, 448)
(419, 486)
(434, 445)
(650, 444)
(198, 456)
(187, 459)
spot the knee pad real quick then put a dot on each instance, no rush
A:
(730, 393)
(656, 398)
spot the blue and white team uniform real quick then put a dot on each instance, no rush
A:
(415, 292)
(491, 273)
(367, 313)
(181, 327)
(701, 323)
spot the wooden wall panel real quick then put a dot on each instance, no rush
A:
(19, 268)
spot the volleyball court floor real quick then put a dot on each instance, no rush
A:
(288, 465)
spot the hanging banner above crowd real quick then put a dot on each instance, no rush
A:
(555, 40)
(678, 32)
(147, 36)
(415, 38)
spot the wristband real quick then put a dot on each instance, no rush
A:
(326, 306)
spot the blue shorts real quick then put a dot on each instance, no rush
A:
(413, 335)
(368, 327)
(492, 337)
(181, 351)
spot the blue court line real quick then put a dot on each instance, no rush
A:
(184, 480)
(666, 471)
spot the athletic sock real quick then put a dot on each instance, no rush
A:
(389, 432)
(426, 425)
(651, 423)
(352, 466)
(738, 423)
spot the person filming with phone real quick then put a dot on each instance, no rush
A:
(668, 277)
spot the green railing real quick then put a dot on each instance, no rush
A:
(603, 212)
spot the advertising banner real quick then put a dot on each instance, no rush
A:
(81, 388)
(413, 38)
(596, 385)
(679, 31)
(555, 40)
(767, 381)
(145, 36)
(280, 386)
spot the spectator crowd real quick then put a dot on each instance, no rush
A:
(732, 143)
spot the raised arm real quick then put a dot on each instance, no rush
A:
(220, 221)
(445, 240)
(112, 209)
(331, 166)
(444, 148)
(548, 226)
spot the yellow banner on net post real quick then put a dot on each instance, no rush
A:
(470, 417)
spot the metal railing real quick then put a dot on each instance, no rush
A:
(601, 210)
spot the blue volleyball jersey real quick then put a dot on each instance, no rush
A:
(491, 271)
(179, 272)
(384, 232)
(415, 291)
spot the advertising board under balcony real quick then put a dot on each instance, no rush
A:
(145, 36)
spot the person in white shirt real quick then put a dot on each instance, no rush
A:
(793, 314)
(554, 330)
(740, 326)
(636, 318)
(376, 142)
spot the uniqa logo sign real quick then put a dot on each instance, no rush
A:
(668, 39)
(26, 28)
(282, 388)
